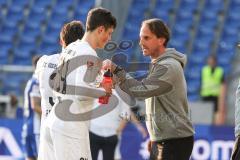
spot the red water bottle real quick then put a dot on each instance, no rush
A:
(107, 80)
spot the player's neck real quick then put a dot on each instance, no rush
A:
(91, 39)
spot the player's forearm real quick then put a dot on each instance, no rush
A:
(36, 105)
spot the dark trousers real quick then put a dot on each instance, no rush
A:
(213, 99)
(236, 149)
(172, 149)
(106, 144)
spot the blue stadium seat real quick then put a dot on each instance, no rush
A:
(229, 32)
(197, 59)
(179, 44)
(167, 5)
(6, 46)
(234, 3)
(189, 5)
(48, 48)
(12, 84)
(62, 11)
(3, 56)
(64, 3)
(224, 58)
(181, 33)
(232, 23)
(162, 14)
(81, 14)
(23, 50)
(85, 4)
(13, 18)
(185, 18)
(51, 35)
(193, 97)
(214, 5)
(201, 45)
(58, 19)
(30, 34)
(193, 86)
(193, 72)
(204, 31)
(233, 14)
(131, 32)
(3, 2)
(8, 33)
(18, 6)
(42, 4)
(35, 19)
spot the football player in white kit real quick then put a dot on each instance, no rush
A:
(70, 32)
(66, 136)
(32, 114)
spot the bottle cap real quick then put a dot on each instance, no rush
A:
(108, 73)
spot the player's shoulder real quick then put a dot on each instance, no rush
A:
(81, 48)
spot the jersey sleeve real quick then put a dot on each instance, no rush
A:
(39, 66)
(35, 91)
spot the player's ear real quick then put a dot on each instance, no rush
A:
(60, 42)
(161, 41)
(101, 29)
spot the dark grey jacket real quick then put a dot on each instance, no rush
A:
(165, 91)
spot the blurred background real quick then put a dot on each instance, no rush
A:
(199, 29)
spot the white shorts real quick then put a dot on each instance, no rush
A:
(56, 146)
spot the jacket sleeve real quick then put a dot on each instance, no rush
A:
(155, 84)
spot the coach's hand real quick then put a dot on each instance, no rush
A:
(149, 146)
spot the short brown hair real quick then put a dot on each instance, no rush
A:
(72, 31)
(100, 17)
(35, 60)
(159, 28)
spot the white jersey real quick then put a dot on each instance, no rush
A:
(80, 104)
(45, 66)
(107, 124)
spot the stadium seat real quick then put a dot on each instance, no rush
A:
(197, 59)
(229, 32)
(193, 97)
(179, 44)
(24, 50)
(64, 4)
(234, 3)
(193, 72)
(19, 6)
(42, 4)
(202, 45)
(214, 5)
(13, 18)
(162, 14)
(31, 33)
(8, 33)
(167, 5)
(131, 32)
(12, 84)
(57, 19)
(3, 56)
(193, 87)
(51, 34)
(36, 19)
(48, 48)
(224, 58)
(3, 3)
(189, 6)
